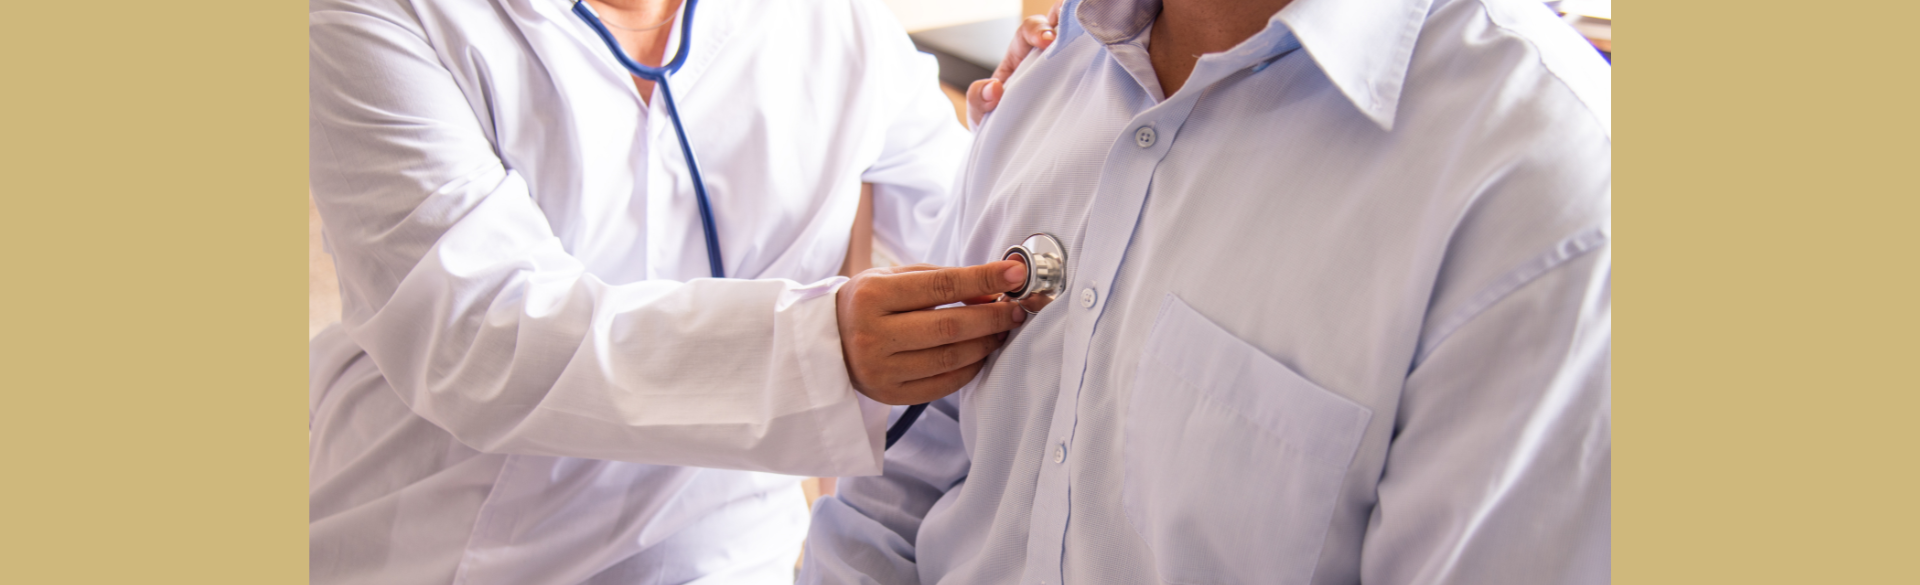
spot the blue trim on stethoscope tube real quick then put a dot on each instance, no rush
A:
(658, 75)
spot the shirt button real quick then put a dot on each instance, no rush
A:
(1144, 136)
(1086, 297)
(1060, 452)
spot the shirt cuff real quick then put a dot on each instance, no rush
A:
(853, 427)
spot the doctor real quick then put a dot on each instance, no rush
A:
(536, 379)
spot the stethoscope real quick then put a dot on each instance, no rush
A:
(1045, 258)
(1046, 262)
(658, 75)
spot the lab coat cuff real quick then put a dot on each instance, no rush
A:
(853, 432)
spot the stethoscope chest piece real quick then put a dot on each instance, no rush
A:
(1046, 262)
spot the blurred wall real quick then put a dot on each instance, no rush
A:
(919, 15)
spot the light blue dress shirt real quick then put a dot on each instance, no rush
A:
(1338, 311)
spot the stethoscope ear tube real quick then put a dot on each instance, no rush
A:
(658, 75)
(900, 427)
(655, 74)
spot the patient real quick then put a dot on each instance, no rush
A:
(1337, 311)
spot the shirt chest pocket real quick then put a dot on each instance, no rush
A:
(1233, 461)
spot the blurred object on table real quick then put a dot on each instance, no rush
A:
(970, 51)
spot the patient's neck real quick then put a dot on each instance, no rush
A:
(1187, 29)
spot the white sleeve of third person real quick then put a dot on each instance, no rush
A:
(925, 143)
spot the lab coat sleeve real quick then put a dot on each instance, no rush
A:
(457, 288)
(1500, 468)
(866, 532)
(925, 143)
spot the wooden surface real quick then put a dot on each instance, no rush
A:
(323, 286)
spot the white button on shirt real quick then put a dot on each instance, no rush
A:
(534, 379)
(1352, 319)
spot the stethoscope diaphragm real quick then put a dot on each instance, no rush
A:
(1046, 262)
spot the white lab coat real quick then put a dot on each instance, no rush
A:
(529, 348)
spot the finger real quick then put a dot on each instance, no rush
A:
(1053, 16)
(990, 93)
(981, 300)
(977, 104)
(1019, 47)
(1037, 31)
(933, 361)
(912, 291)
(919, 330)
(936, 387)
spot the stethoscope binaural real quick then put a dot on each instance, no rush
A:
(658, 75)
(1046, 262)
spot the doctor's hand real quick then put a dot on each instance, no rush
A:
(1036, 32)
(901, 350)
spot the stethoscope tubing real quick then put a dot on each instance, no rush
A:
(899, 428)
(658, 75)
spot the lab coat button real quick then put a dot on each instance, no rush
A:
(1060, 453)
(1143, 136)
(1086, 297)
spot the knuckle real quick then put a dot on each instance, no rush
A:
(944, 285)
(863, 340)
(947, 328)
(988, 280)
(948, 359)
(866, 294)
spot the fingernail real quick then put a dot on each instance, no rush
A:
(987, 92)
(1048, 35)
(1019, 314)
(1017, 273)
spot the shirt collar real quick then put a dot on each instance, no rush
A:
(1363, 46)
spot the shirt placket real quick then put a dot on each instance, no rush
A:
(1126, 177)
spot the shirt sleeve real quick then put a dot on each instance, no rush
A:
(1500, 469)
(865, 533)
(457, 288)
(925, 143)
